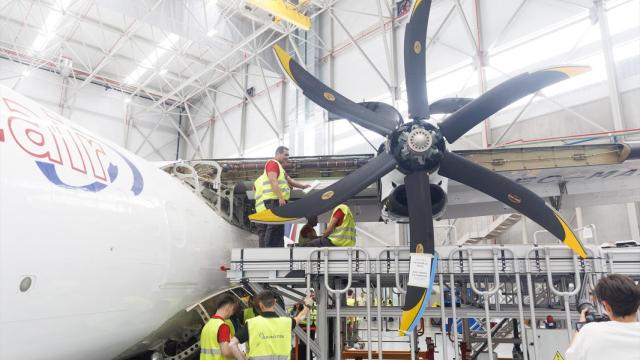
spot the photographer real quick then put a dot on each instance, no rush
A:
(617, 339)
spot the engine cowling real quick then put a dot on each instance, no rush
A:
(394, 197)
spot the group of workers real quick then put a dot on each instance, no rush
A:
(266, 335)
(273, 188)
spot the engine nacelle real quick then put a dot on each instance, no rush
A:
(394, 197)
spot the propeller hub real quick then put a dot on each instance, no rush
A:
(417, 146)
(419, 140)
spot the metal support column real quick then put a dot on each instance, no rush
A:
(322, 332)
(243, 111)
(212, 124)
(480, 59)
(283, 110)
(331, 63)
(607, 50)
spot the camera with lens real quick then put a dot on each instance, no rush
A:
(592, 315)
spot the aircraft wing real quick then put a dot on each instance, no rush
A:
(566, 176)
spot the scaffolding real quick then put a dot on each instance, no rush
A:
(484, 295)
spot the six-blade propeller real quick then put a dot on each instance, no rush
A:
(417, 149)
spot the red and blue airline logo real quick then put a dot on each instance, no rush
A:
(67, 157)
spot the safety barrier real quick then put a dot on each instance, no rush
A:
(483, 282)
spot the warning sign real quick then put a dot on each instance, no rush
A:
(558, 356)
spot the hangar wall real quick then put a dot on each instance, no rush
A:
(98, 109)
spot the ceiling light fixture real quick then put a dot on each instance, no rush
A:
(151, 59)
(48, 30)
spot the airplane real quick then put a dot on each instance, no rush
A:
(98, 247)
(102, 253)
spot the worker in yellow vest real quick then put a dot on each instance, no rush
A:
(313, 316)
(218, 331)
(341, 229)
(267, 335)
(250, 311)
(352, 321)
(272, 189)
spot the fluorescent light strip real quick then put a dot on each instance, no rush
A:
(50, 25)
(151, 59)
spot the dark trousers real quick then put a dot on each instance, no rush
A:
(302, 347)
(319, 242)
(270, 235)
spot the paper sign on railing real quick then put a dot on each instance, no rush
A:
(420, 270)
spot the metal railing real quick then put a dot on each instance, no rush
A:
(553, 279)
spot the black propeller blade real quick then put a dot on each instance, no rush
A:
(330, 99)
(457, 168)
(415, 72)
(421, 240)
(448, 105)
(390, 114)
(319, 202)
(502, 95)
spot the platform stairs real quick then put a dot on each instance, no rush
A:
(497, 227)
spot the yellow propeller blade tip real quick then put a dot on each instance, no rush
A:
(408, 316)
(267, 216)
(572, 70)
(415, 6)
(571, 240)
(284, 60)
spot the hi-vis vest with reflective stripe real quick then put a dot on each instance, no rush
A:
(269, 338)
(264, 191)
(209, 346)
(351, 302)
(345, 234)
(249, 314)
(313, 316)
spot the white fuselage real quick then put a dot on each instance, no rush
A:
(113, 246)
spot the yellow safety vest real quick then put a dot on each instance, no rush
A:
(232, 328)
(264, 191)
(249, 313)
(269, 338)
(314, 316)
(351, 302)
(345, 234)
(209, 347)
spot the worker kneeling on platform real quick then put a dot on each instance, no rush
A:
(217, 333)
(268, 335)
(618, 338)
(341, 229)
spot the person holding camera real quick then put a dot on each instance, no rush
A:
(619, 338)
